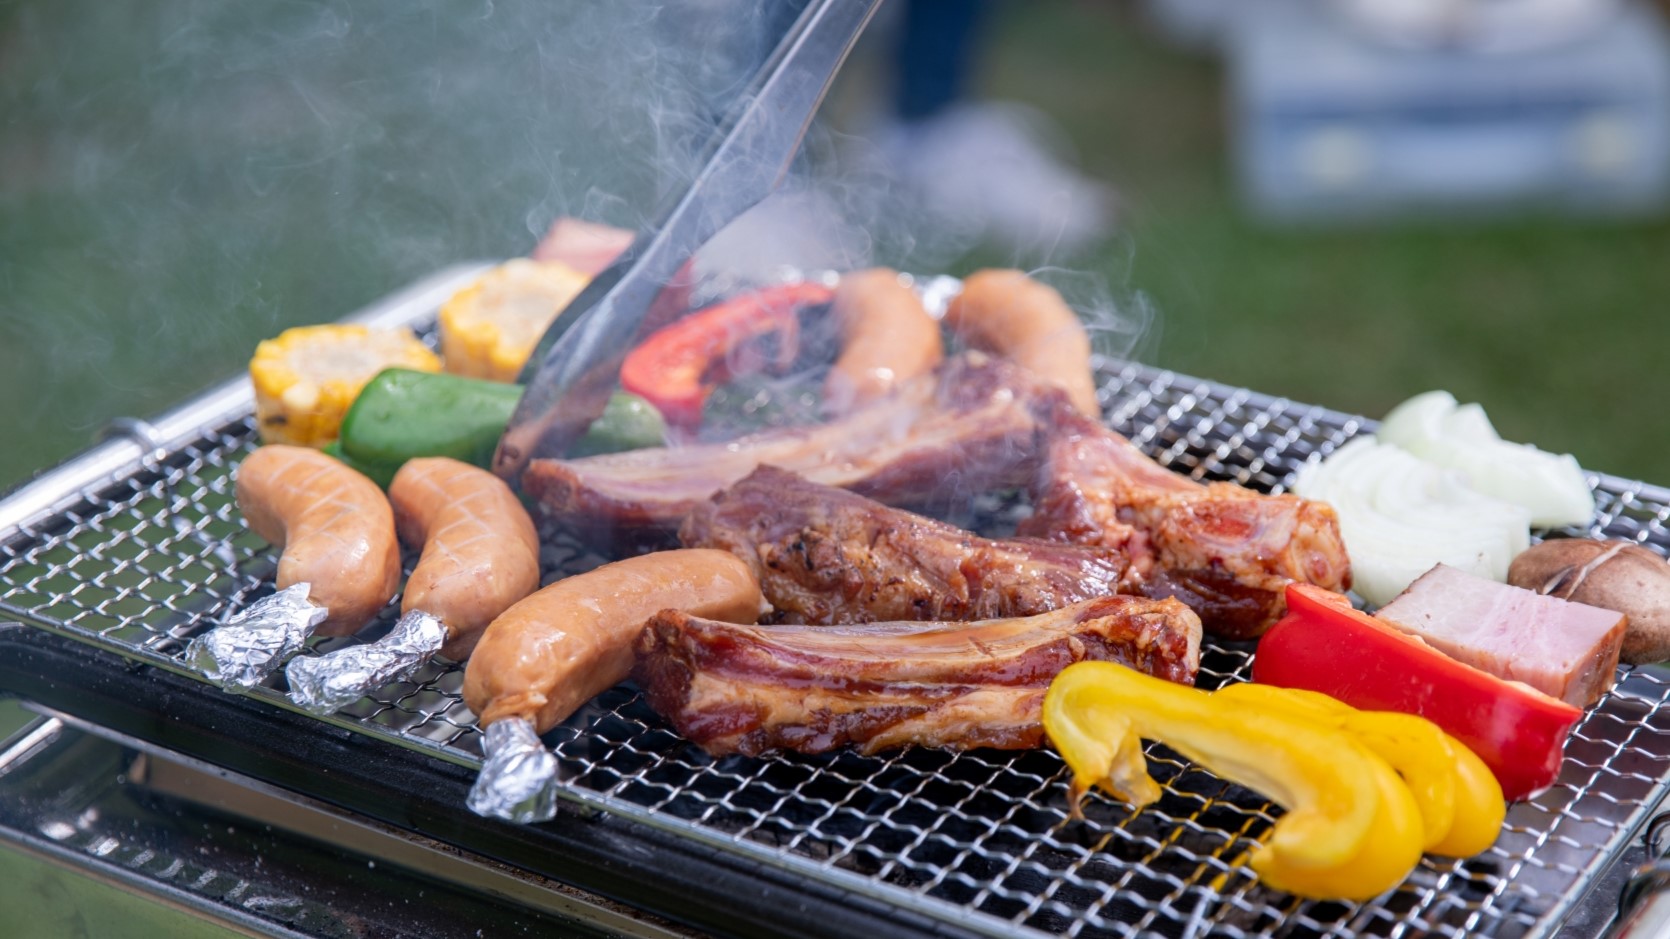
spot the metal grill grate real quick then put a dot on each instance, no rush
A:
(981, 839)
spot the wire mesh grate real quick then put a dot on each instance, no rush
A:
(982, 839)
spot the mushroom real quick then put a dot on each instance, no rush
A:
(1614, 575)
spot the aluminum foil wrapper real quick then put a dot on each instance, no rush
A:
(326, 683)
(323, 684)
(242, 652)
(518, 778)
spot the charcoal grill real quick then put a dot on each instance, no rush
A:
(113, 561)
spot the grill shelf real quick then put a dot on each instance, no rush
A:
(137, 546)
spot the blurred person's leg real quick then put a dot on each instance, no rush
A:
(934, 54)
(984, 170)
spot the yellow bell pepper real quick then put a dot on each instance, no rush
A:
(1480, 806)
(1460, 801)
(1351, 831)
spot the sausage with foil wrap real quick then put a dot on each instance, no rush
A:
(480, 555)
(334, 526)
(480, 550)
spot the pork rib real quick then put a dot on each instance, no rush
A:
(1226, 551)
(825, 555)
(978, 424)
(811, 689)
(971, 427)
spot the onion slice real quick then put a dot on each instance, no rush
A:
(1399, 515)
(1550, 486)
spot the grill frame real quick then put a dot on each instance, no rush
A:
(944, 869)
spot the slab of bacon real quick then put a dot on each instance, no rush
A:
(810, 689)
(825, 555)
(1224, 550)
(970, 427)
(588, 247)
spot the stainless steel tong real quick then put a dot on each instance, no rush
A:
(572, 371)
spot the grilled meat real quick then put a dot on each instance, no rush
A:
(825, 555)
(1226, 551)
(560, 646)
(588, 247)
(1563, 649)
(977, 424)
(754, 689)
(971, 427)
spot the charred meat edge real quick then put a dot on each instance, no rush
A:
(810, 689)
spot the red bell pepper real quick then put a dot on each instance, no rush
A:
(1325, 645)
(679, 365)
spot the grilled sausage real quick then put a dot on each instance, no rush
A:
(556, 650)
(887, 338)
(1012, 315)
(480, 551)
(334, 526)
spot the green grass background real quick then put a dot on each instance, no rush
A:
(1558, 327)
(181, 179)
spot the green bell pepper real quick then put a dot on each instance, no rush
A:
(402, 414)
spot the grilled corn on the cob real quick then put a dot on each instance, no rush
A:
(307, 377)
(489, 328)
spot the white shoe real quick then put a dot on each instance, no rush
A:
(989, 173)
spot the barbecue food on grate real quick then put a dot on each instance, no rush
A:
(334, 526)
(306, 379)
(969, 428)
(585, 246)
(480, 555)
(1400, 515)
(555, 650)
(754, 689)
(825, 555)
(678, 366)
(1011, 314)
(1325, 645)
(1614, 575)
(489, 328)
(1564, 650)
(1439, 429)
(887, 339)
(1226, 551)
(1362, 793)
(981, 423)
(403, 414)
(1460, 801)
(480, 550)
